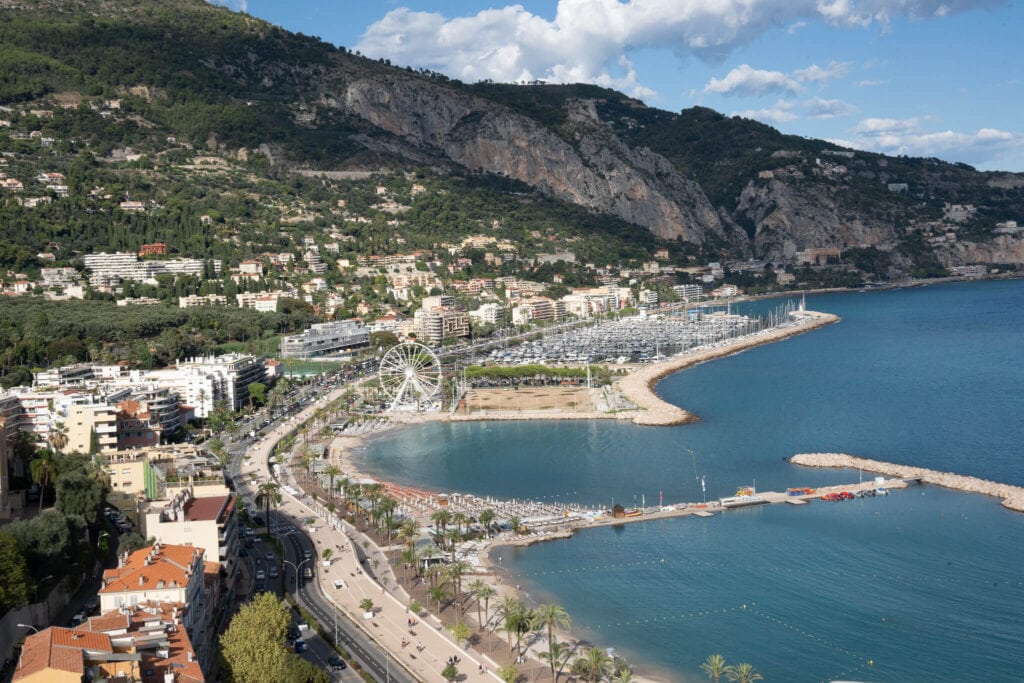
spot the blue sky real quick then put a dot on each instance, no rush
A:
(935, 78)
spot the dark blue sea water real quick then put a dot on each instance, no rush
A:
(925, 584)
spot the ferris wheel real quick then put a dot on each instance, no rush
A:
(410, 376)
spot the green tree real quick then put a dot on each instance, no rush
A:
(450, 673)
(303, 671)
(81, 495)
(714, 666)
(257, 393)
(17, 586)
(742, 673)
(253, 644)
(550, 617)
(130, 542)
(508, 673)
(366, 604)
(460, 631)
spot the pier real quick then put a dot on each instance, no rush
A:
(1012, 496)
(709, 509)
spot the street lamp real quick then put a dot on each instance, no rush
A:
(296, 568)
(34, 628)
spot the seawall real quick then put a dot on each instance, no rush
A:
(639, 387)
(1012, 496)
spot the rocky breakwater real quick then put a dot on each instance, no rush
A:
(639, 386)
(1012, 496)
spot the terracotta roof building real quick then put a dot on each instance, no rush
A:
(140, 643)
(158, 574)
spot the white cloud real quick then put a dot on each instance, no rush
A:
(875, 126)
(747, 81)
(818, 108)
(781, 112)
(795, 27)
(817, 74)
(589, 40)
(868, 83)
(905, 136)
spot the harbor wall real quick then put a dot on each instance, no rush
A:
(639, 386)
(1012, 496)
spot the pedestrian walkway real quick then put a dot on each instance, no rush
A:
(423, 647)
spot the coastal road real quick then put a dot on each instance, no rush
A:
(308, 594)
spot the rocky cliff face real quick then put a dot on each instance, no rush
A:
(787, 220)
(598, 171)
(1001, 249)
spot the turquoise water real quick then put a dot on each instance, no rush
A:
(925, 584)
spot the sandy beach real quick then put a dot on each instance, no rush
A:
(554, 522)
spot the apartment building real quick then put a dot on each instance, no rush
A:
(323, 339)
(140, 643)
(163, 573)
(209, 522)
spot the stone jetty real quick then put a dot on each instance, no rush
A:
(639, 386)
(1012, 496)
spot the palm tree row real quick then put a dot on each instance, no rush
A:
(715, 667)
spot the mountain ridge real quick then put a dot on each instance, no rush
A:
(694, 177)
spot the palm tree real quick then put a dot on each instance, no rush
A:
(332, 471)
(550, 617)
(58, 437)
(594, 665)
(486, 518)
(438, 594)
(514, 523)
(511, 610)
(558, 656)
(268, 493)
(477, 587)
(386, 507)
(742, 673)
(714, 666)
(441, 518)
(42, 469)
(454, 572)
(459, 518)
(307, 458)
(623, 676)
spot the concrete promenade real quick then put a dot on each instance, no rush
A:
(424, 654)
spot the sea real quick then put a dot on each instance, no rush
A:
(925, 584)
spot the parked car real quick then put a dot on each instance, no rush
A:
(336, 663)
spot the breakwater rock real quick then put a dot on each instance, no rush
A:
(1012, 496)
(639, 386)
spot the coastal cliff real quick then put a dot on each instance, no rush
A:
(598, 171)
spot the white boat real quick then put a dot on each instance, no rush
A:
(742, 501)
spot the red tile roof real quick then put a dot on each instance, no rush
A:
(61, 649)
(171, 564)
(201, 509)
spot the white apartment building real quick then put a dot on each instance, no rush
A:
(324, 339)
(489, 313)
(208, 522)
(232, 374)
